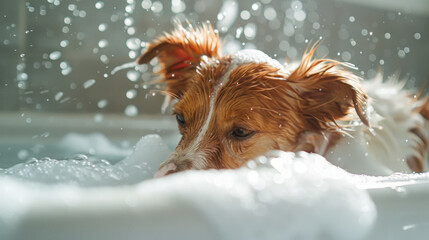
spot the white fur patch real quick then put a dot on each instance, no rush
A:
(383, 149)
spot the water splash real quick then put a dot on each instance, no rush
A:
(124, 66)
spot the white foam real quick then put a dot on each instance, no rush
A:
(149, 152)
(288, 196)
(254, 56)
(93, 143)
(277, 196)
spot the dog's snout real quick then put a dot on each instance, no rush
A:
(173, 166)
(166, 169)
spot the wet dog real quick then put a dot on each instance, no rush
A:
(236, 107)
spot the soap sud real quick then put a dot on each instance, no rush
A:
(92, 144)
(142, 164)
(254, 56)
(279, 195)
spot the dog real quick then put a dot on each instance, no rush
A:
(233, 108)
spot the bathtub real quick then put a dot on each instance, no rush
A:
(172, 207)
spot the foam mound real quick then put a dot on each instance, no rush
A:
(140, 165)
(279, 195)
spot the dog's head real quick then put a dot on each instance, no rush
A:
(233, 108)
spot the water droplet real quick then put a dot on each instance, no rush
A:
(64, 65)
(133, 75)
(58, 96)
(32, 161)
(131, 94)
(401, 53)
(131, 31)
(128, 21)
(99, 5)
(102, 103)
(156, 7)
(408, 227)
(132, 54)
(89, 83)
(80, 157)
(352, 19)
(102, 27)
(300, 15)
(245, 15)
(131, 111)
(98, 117)
(64, 43)
(387, 35)
(346, 56)
(250, 31)
(22, 154)
(45, 134)
(104, 59)
(146, 4)
(82, 13)
(133, 43)
(103, 43)
(255, 6)
(406, 49)
(22, 77)
(66, 71)
(417, 36)
(67, 20)
(270, 13)
(177, 6)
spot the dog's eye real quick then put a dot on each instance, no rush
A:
(241, 133)
(180, 119)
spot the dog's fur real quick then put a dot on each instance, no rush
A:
(233, 108)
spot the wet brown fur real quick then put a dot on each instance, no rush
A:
(172, 47)
(315, 97)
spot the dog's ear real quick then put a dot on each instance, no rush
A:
(326, 92)
(179, 53)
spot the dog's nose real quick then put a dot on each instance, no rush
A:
(165, 170)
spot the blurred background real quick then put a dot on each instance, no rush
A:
(57, 55)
